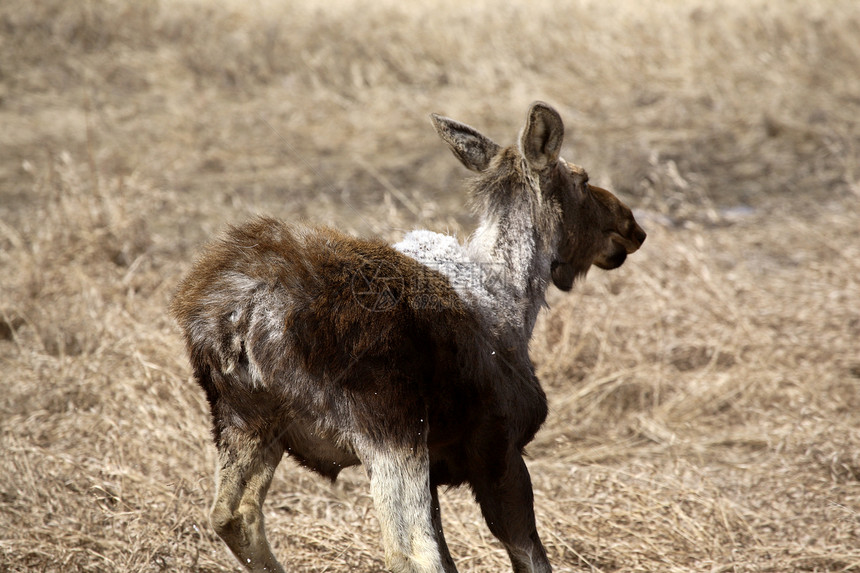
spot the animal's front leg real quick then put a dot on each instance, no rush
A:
(400, 486)
(507, 503)
(447, 560)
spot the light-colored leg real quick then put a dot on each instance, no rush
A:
(245, 470)
(400, 486)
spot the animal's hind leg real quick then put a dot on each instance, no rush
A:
(245, 470)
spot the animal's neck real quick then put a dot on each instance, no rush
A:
(516, 262)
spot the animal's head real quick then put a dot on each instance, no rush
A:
(591, 225)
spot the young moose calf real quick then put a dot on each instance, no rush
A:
(412, 360)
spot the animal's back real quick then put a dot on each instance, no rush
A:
(316, 286)
(281, 321)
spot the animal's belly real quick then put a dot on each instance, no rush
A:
(322, 454)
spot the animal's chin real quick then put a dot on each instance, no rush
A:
(564, 275)
(614, 261)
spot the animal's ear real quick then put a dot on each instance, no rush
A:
(473, 149)
(542, 136)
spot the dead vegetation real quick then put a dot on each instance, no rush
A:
(704, 397)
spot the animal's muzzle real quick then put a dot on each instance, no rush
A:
(637, 237)
(632, 240)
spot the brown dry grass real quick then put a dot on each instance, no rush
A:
(705, 397)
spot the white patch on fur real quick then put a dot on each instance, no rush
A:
(483, 239)
(432, 248)
(238, 285)
(462, 264)
(253, 377)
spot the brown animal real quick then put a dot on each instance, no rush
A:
(411, 360)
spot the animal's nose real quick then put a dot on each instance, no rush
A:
(637, 235)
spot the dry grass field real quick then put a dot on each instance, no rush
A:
(705, 397)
